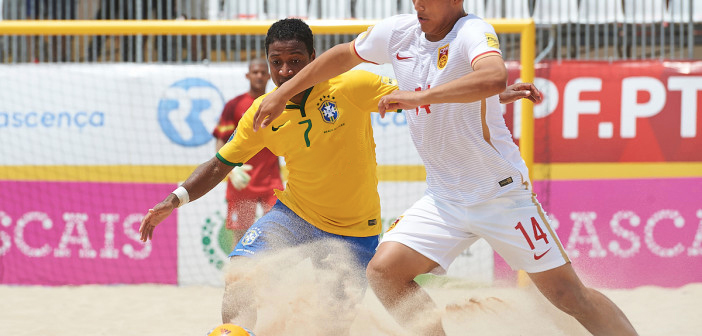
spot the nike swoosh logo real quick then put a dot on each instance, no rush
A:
(277, 128)
(537, 257)
(400, 58)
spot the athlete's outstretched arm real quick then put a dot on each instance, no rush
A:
(489, 77)
(201, 181)
(331, 63)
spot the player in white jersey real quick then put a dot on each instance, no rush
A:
(450, 70)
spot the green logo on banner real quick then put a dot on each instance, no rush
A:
(216, 240)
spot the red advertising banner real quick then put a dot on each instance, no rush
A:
(627, 111)
(70, 233)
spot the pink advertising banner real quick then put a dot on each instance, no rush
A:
(626, 233)
(67, 233)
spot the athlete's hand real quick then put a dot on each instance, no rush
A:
(239, 177)
(518, 91)
(405, 100)
(271, 108)
(155, 216)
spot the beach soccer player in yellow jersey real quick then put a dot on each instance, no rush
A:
(325, 135)
(449, 69)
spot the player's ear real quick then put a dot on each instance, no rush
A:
(313, 55)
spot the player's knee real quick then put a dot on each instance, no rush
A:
(373, 272)
(381, 273)
(376, 272)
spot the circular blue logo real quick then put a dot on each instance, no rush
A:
(189, 110)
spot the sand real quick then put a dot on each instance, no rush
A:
(171, 310)
(292, 294)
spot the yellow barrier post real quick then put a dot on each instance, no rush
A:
(526, 140)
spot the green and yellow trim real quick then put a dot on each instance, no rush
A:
(301, 107)
(223, 160)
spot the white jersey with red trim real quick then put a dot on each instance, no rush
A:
(466, 148)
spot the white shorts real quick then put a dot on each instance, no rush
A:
(514, 225)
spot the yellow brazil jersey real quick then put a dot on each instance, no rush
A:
(327, 142)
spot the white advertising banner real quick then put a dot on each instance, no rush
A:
(107, 114)
(136, 114)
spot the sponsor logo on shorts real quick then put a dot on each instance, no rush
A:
(250, 236)
(537, 257)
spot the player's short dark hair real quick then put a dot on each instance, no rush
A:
(288, 30)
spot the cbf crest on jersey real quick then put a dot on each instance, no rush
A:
(327, 107)
(443, 57)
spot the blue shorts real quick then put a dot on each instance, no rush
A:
(281, 228)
